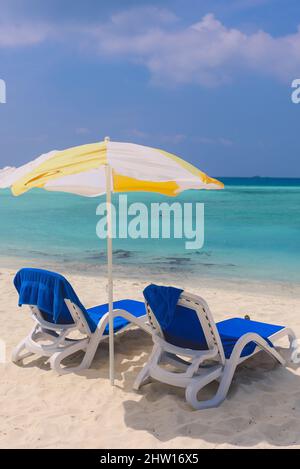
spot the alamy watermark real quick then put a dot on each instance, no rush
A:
(153, 221)
(2, 91)
(295, 96)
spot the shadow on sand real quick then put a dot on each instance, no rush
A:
(262, 406)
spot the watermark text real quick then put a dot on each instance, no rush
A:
(2, 91)
(296, 93)
(154, 221)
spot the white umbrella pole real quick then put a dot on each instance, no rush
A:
(109, 271)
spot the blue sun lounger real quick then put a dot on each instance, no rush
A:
(58, 312)
(185, 335)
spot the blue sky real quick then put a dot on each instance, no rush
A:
(208, 80)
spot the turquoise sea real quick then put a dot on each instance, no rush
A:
(252, 231)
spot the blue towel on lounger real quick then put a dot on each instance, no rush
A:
(162, 300)
(181, 326)
(47, 290)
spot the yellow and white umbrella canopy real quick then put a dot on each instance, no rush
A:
(81, 170)
(97, 168)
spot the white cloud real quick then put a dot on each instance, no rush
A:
(226, 142)
(175, 138)
(172, 138)
(206, 53)
(137, 133)
(15, 34)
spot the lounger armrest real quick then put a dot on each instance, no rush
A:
(52, 326)
(202, 354)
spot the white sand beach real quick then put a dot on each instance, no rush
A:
(42, 410)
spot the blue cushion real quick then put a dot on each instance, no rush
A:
(231, 330)
(185, 330)
(93, 316)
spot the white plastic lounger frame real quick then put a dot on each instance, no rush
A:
(202, 366)
(60, 346)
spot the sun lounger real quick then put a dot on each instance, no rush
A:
(58, 313)
(186, 336)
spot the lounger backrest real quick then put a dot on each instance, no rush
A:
(78, 317)
(51, 298)
(192, 327)
(76, 313)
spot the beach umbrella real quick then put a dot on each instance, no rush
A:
(102, 168)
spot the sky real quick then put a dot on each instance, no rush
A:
(207, 80)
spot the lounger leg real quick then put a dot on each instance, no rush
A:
(91, 349)
(194, 387)
(16, 353)
(142, 378)
(292, 336)
(293, 343)
(144, 375)
(89, 345)
(58, 357)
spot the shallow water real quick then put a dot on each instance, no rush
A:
(251, 231)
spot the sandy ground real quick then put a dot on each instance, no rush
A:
(42, 410)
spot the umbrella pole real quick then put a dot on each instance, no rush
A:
(109, 272)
